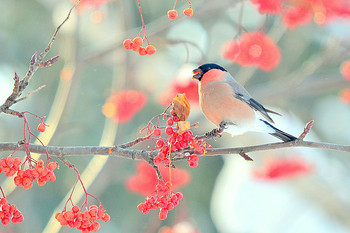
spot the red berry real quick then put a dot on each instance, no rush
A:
(188, 135)
(160, 143)
(40, 163)
(176, 118)
(75, 209)
(170, 121)
(169, 130)
(3, 201)
(5, 221)
(137, 43)
(188, 12)
(166, 161)
(163, 214)
(10, 161)
(170, 206)
(95, 226)
(41, 127)
(52, 166)
(18, 161)
(179, 195)
(157, 160)
(142, 51)
(106, 218)
(127, 44)
(193, 161)
(157, 132)
(150, 49)
(172, 14)
(93, 212)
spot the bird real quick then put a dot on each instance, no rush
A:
(229, 106)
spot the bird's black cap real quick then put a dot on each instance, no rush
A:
(201, 70)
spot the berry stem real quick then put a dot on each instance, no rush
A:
(2, 191)
(174, 4)
(143, 22)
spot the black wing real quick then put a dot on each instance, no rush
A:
(257, 106)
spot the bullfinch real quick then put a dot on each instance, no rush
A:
(230, 107)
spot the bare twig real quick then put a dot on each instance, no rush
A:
(136, 141)
(30, 93)
(36, 62)
(307, 129)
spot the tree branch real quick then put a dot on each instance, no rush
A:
(148, 156)
(36, 62)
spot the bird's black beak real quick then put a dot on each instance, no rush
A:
(197, 74)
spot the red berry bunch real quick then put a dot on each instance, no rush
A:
(40, 173)
(85, 221)
(7, 211)
(177, 140)
(162, 198)
(10, 165)
(136, 46)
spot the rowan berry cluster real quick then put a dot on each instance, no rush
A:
(9, 212)
(85, 221)
(40, 173)
(177, 140)
(136, 46)
(163, 197)
(10, 165)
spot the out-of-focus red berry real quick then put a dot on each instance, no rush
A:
(41, 127)
(137, 43)
(128, 44)
(142, 51)
(188, 12)
(157, 132)
(345, 70)
(172, 14)
(150, 49)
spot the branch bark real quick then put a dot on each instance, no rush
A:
(117, 151)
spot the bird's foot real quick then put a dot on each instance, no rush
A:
(223, 125)
(214, 133)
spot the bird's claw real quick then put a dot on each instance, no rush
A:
(214, 133)
(223, 125)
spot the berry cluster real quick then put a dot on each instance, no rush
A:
(7, 211)
(40, 173)
(136, 45)
(172, 14)
(177, 140)
(10, 165)
(84, 221)
(162, 198)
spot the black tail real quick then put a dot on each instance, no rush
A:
(280, 134)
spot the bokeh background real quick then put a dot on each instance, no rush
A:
(291, 190)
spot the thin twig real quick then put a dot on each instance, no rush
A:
(30, 93)
(136, 141)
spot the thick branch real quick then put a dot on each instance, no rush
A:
(145, 155)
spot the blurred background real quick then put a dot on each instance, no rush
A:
(291, 190)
